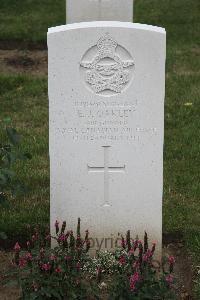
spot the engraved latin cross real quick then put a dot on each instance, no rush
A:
(106, 169)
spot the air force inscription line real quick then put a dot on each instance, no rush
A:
(106, 169)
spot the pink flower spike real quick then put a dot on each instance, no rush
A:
(56, 223)
(53, 257)
(145, 258)
(17, 247)
(28, 256)
(135, 245)
(147, 255)
(61, 238)
(131, 251)
(46, 267)
(48, 237)
(57, 226)
(153, 247)
(34, 238)
(58, 270)
(136, 265)
(169, 279)
(123, 244)
(78, 266)
(133, 280)
(122, 260)
(22, 262)
(171, 260)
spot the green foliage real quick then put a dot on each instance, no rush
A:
(24, 99)
(46, 273)
(139, 275)
(68, 272)
(10, 153)
(150, 288)
(197, 287)
(3, 236)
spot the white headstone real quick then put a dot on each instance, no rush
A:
(106, 98)
(99, 10)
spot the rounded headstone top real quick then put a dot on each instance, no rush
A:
(113, 24)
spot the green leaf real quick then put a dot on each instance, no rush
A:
(24, 156)
(18, 189)
(12, 157)
(8, 172)
(56, 294)
(13, 136)
(7, 120)
(3, 236)
(3, 200)
(32, 296)
(3, 178)
(28, 155)
(12, 283)
(7, 147)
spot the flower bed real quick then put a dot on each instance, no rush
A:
(68, 271)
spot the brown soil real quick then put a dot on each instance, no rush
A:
(34, 62)
(7, 293)
(24, 62)
(183, 270)
(18, 44)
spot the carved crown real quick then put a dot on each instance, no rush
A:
(106, 44)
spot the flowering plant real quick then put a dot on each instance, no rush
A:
(47, 273)
(68, 272)
(138, 275)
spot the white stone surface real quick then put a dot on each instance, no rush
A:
(106, 105)
(99, 10)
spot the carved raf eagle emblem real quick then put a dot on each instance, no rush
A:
(107, 71)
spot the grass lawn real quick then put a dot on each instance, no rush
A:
(25, 100)
(28, 20)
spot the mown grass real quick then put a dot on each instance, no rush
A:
(28, 20)
(25, 101)
(182, 156)
(182, 110)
